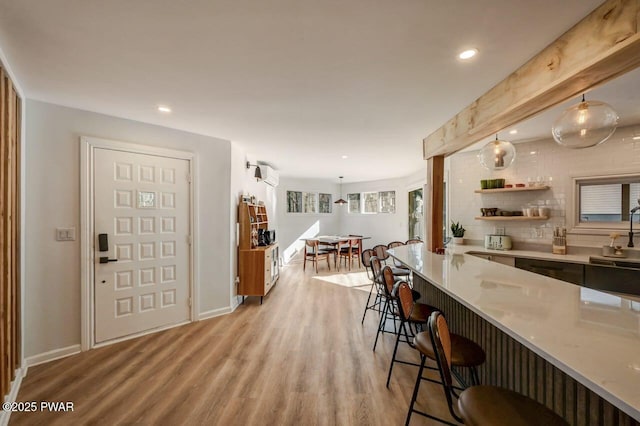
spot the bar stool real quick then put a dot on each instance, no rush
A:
(410, 313)
(401, 269)
(477, 405)
(389, 309)
(366, 256)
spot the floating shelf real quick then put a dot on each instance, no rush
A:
(499, 190)
(520, 218)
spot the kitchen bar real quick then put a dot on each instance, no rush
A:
(544, 338)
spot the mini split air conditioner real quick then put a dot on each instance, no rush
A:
(269, 176)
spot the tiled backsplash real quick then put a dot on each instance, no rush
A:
(542, 159)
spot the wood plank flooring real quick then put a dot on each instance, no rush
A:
(301, 358)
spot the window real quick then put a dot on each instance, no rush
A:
(370, 202)
(604, 203)
(353, 203)
(294, 202)
(310, 202)
(324, 203)
(387, 202)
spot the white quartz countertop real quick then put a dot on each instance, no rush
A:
(592, 336)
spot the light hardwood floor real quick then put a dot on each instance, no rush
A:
(302, 358)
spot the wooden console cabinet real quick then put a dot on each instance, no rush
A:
(258, 267)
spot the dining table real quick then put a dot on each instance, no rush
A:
(333, 241)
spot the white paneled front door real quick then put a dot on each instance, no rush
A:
(141, 203)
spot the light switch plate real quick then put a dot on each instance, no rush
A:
(66, 234)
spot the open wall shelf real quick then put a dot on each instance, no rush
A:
(499, 190)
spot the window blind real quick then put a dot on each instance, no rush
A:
(602, 199)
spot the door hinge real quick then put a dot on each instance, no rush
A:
(189, 177)
(189, 239)
(189, 302)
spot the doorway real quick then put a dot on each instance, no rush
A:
(138, 234)
(416, 215)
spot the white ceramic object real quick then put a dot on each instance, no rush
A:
(459, 241)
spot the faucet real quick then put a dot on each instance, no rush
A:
(631, 233)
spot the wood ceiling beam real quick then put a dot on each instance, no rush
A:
(602, 46)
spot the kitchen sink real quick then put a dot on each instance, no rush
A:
(621, 262)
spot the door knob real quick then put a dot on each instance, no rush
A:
(107, 260)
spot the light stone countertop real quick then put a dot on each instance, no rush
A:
(592, 336)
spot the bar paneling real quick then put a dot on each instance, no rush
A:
(514, 366)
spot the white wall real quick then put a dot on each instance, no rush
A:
(294, 226)
(382, 228)
(52, 187)
(243, 182)
(545, 158)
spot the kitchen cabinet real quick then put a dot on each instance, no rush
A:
(569, 272)
(505, 260)
(612, 278)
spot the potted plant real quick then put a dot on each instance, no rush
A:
(458, 233)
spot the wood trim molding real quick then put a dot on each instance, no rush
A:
(435, 205)
(602, 46)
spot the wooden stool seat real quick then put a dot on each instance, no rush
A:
(464, 352)
(490, 405)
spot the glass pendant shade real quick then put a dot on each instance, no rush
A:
(497, 155)
(586, 124)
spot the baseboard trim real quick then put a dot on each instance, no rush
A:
(214, 313)
(52, 355)
(13, 394)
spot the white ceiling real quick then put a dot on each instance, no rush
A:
(297, 83)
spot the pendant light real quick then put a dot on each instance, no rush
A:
(340, 201)
(586, 124)
(497, 155)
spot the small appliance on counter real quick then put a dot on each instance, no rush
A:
(266, 237)
(497, 242)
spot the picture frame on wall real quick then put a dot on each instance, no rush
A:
(294, 202)
(324, 203)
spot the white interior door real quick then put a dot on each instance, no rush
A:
(142, 203)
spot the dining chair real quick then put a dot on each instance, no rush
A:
(313, 253)
(477, 405)
(350, 250)
(413, 241)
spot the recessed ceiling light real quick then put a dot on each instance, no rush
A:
(533, 153)
(344, 157)
(468, 54)
(636, 138)
(513, 132)
(164, 108)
